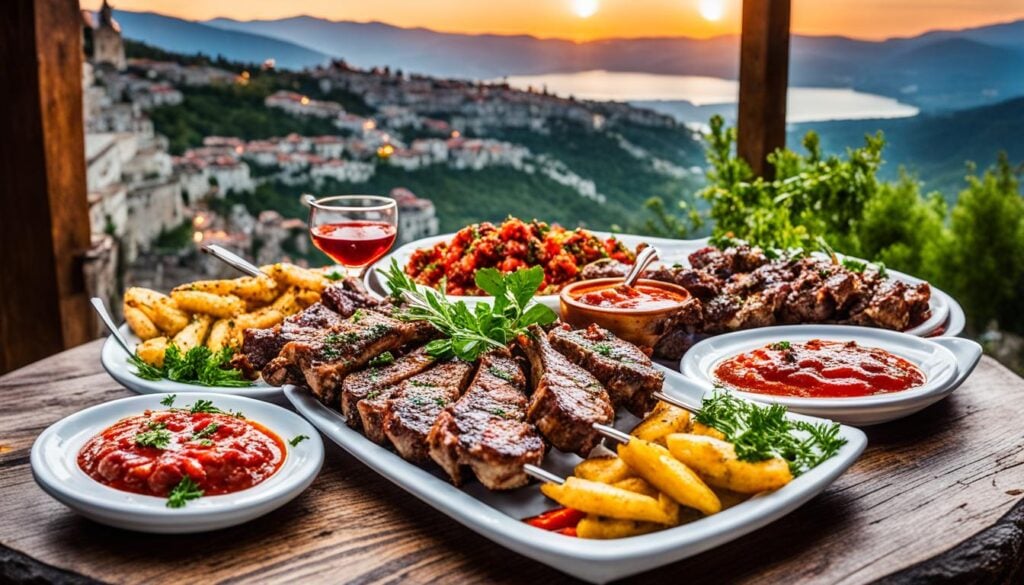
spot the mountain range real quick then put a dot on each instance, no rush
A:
(936, 70)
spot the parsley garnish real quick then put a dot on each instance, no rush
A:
(382, 360)
(198, 365)
(500, 373)
(604, 349)
(294, 441)
(156, 426)
(781, 345)
(499, 412)
(854, 265)
(183, 492)
(204, 406)
(334, 275)
(157, 438)
(468, 333)
(357, 315)
(762, 432)
(206, 432)
(168, 400)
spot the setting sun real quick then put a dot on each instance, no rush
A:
(585, 8)
(711, 10)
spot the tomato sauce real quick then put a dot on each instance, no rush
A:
(819, 369)
(640, 297)
(151, 453)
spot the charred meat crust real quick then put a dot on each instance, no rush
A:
(358, 385)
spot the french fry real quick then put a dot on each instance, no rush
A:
(603, 469)
(715, 461)
(168, 317)
(152, 351)
(610, 501)
(205, 303)
(657, 465)
(194, 334)
(214, 287)
(259, 319)
(221, 335)
(140, 324)
(305, 298)
(601, 528)
(143, 299)
(256, 289)
(665, 419)
(292, 275)
(286, 304)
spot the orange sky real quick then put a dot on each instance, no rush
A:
(873, 19)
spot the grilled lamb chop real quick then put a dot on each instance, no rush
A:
(260, 347)
(487, 428)
(359, 385)
(325, 359)
(567, 400)
(413, 408)
(623, 368)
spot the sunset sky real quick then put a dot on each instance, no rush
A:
(595, 19)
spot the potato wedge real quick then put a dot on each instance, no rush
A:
(603, 469)
(702, 429)
(606, 500)
(140, 324)
(286, 304)
(292, 275)
(306, 298)
(194, 334)
(221, 335)
(152, 351)
(665, 419)
(205, 303)
(716, 462)
(143, 299)
(601, 528)
(638, 485)
(657, 465)
(256, 289)
(214, 287)
(259, 319)
(169, 318)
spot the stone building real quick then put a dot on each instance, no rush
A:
(108, 46)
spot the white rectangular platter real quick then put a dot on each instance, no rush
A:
(498, 515)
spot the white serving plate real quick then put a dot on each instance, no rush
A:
(498, 515)
(55, 468)
(945, 361)
(672, 252)
(115, 362)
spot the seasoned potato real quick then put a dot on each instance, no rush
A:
(143, 299)
(657, 465)
(286, 304)
(152, 351)
(715, 461)
(258, 289)
(663, 420)
(637, 485)
(259, 319)
(603, 469)
(194, 334)
(306, 298)
(214, 287)
(169, 318)
(140, 324)
(599, 527)
(208, 303)
(610, 501)
(221, 334)
(702, 429)
(292, 275)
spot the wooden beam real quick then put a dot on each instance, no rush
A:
(44, 215)
(764, 70)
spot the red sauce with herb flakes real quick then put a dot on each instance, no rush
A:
(151, 453)
(819, 369)
(640, 297)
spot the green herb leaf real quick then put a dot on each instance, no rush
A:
(781, 345)
(854, 265)
(157, 439)
(206, 432)
(182, 493)
(334, 275)
(144, 370)
(294, 441)
(205, 406)
(198, 365)
(168, 400)
(382, 360)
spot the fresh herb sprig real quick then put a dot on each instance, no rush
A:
(762, 432)
(294, 441)
(182, 493)
(469, 333)
(199, 365)
(156, 438)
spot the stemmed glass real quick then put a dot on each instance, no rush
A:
(354, 230)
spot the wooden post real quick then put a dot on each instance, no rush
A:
(44, 216)
(764, 70)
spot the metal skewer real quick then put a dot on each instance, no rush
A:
(612, 433)
(643, 260)
(542, 474)
(233, 260)
(676, 402)
(101, 309)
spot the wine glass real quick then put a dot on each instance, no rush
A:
(354, 230)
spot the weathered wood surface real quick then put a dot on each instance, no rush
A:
(934, 498)
(764, 79)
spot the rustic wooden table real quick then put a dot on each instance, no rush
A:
(936, 497)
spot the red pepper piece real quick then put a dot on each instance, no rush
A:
(556, 519)
(570, 531)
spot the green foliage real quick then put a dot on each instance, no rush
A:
(176, 238)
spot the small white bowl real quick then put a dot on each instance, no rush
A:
(945, 361)
(55, 467)
(115, 362)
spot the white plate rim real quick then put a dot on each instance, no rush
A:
(115, 362)
(64, 439)
(596, 561)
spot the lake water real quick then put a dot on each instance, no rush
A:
(693, 98)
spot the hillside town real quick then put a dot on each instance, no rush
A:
(149, 208)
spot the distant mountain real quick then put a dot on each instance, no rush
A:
(187, 37)
(933, 146)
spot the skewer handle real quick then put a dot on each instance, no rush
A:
(676, 402)
(542, 474)
(612, 433)
(233, 260)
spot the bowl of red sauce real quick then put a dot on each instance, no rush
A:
(854, 375)
(177, 464)
(635, 313)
